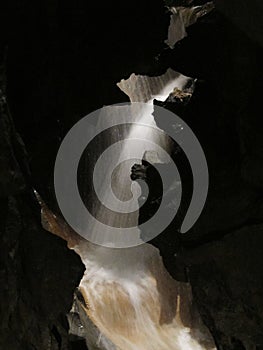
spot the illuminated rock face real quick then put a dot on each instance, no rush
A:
(183, 17)
(141, 88)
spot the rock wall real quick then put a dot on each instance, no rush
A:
(38, 274)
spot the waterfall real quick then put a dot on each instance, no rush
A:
(136, 304)
(126, 299)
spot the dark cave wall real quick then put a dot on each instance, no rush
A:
(38, 273)
(61, 66)
(226, 277)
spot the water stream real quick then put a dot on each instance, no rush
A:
(130, 300)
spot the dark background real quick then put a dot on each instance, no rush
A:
(62, 60)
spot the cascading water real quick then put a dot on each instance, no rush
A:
(128, 301)
(135, 303)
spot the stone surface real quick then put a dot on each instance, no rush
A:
(38, 274)
(227, 284)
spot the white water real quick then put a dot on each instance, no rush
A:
(113, 170)
(136, 304)
(132, 299)
(129, 295)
